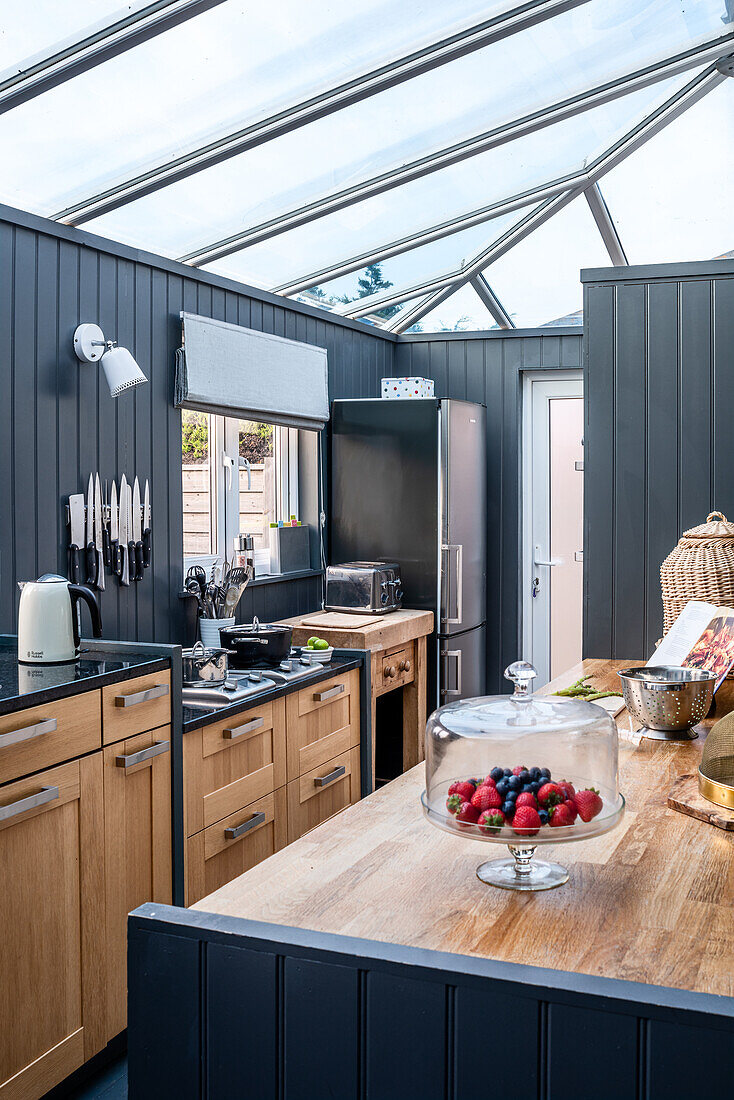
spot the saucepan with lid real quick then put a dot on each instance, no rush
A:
(201, 665)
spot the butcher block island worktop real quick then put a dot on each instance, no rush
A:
(650, 901)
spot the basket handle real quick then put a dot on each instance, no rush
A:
(716, 515)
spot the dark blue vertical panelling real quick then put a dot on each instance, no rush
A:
(321, 1050)
(242, 1029)
(406, 1037)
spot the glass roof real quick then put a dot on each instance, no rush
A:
(381, 173)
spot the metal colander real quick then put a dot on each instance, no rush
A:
(666, 697)
(716, 772)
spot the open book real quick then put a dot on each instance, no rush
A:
(701, 637)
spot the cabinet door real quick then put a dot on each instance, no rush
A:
(137, 830)
(52, 950)
(322, 793)
(322, 722)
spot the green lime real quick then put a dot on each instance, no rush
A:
(320, 644)
(311, 643)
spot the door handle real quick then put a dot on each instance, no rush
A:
(447, 548)
(337, 773)
(239, 731)
(25, 733)
(30, 802)
(156, 749)
(141, 696)
(456, 653)
(234, 832)
(330, 693)
(537, 560)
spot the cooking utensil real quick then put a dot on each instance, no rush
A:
(198, 573)
(131, 568)
(668, 698)
(716, 771)
(257, 645)
(146, 526)
(137, 532)
(90, 553)
(76, 518)
(201, 665)
(123, 533)
(98, 533)
(115, 533)
(106, 549)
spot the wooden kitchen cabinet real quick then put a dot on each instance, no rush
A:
(143, 703)
(322, 722)
(322, 793)
(137, 847)
(52, 949)
(39, 737)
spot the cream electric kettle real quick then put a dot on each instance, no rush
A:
(48, 630)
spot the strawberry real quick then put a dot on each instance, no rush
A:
(566, 788)
(467, 814)
(550, 794)
(518, 769)
(526, 799)
(526, 821)
(488, 782)
(560, 815)
(453, 803)
(491, 820)
(572, 808)
(463, 788)
(588, 803)
(486, 798)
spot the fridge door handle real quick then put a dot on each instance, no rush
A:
(459, 587)
(445, 654)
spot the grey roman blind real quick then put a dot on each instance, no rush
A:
(235, 371)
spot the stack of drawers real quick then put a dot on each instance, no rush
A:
(259, 780)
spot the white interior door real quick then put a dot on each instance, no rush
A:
(553, 483)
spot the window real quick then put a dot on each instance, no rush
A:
(238, 477)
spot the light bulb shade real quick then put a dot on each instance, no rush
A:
(121, 370)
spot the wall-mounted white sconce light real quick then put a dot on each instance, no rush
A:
(120, 369)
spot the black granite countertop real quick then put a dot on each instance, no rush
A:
(196, 717)
(100, 663)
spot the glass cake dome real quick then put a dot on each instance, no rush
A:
(522, 770)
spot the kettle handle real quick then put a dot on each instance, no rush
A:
(80, 591)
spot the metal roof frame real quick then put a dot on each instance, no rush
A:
(438, 53)
(605, 225)
(43, 73)
(490, 300)
(653, 123)
(591, 97)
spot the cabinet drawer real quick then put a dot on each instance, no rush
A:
(396, 669)
(327, 730)
(321, 793)
(41, 736)
(229, 764)
(223, 851)
(135, 706)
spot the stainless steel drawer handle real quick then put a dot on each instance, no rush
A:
(322, 696)
(235, 831)
(30, 802)
(324, 780)
(156, 749)
(240, 731)
(26, 733)
(141, 696)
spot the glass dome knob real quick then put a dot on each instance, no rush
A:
(522, 675)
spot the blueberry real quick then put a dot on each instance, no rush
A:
(508, 809)
(514, 783)
(502, 787)
(511, 796)
(496, 774)
(534, 774)
(507, 771)
(526, 787)
(545, 773)
(543, 815)
(524, 776)
(535, 786)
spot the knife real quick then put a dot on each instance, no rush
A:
(146, 526)
(131, 565)
(91, 552)
(106, 548)
(76, 517)
(98, 533)
(137, 532)
(115, 533)
(124, 563)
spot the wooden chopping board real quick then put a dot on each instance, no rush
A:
(338, 620)
(687, 799)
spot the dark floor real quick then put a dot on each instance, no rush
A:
(107, 1083)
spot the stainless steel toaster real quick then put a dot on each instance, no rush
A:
(363, 586)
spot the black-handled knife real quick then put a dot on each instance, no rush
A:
(139, 560)
(106, 544)
(76, 544)
(90, 551)
(115, 552)
(74, 564)
(131, 559)
(146, 526)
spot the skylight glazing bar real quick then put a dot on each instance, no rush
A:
(427, 236)
(53, 69)
(408, 317)
(592, 97)
(458, 45)
(605, 225)
(491, 301)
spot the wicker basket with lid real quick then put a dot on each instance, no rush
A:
(700, 567)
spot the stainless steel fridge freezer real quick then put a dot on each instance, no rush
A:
(409, 485)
